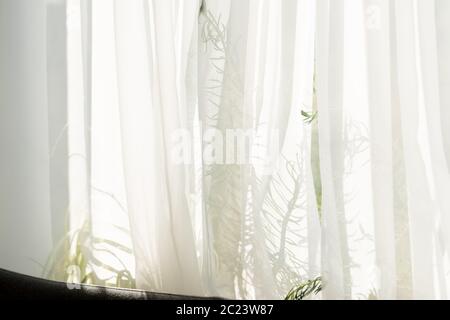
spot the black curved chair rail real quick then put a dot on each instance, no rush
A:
(18, 286)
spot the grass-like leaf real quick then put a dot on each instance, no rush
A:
(309, 117)
(306, 289)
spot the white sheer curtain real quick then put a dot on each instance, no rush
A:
(159, 75)
(231, 148)
(381, 90)
(261, 225)
(202, 226)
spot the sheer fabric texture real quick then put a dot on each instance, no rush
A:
(233, 148)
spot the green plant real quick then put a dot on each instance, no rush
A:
(373, 295)
(306, 289)
(75, 260)
(309, 117)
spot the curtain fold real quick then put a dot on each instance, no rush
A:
(398, 204)
(378, 48)
(148, 71)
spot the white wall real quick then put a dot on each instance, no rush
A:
(25, 228)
